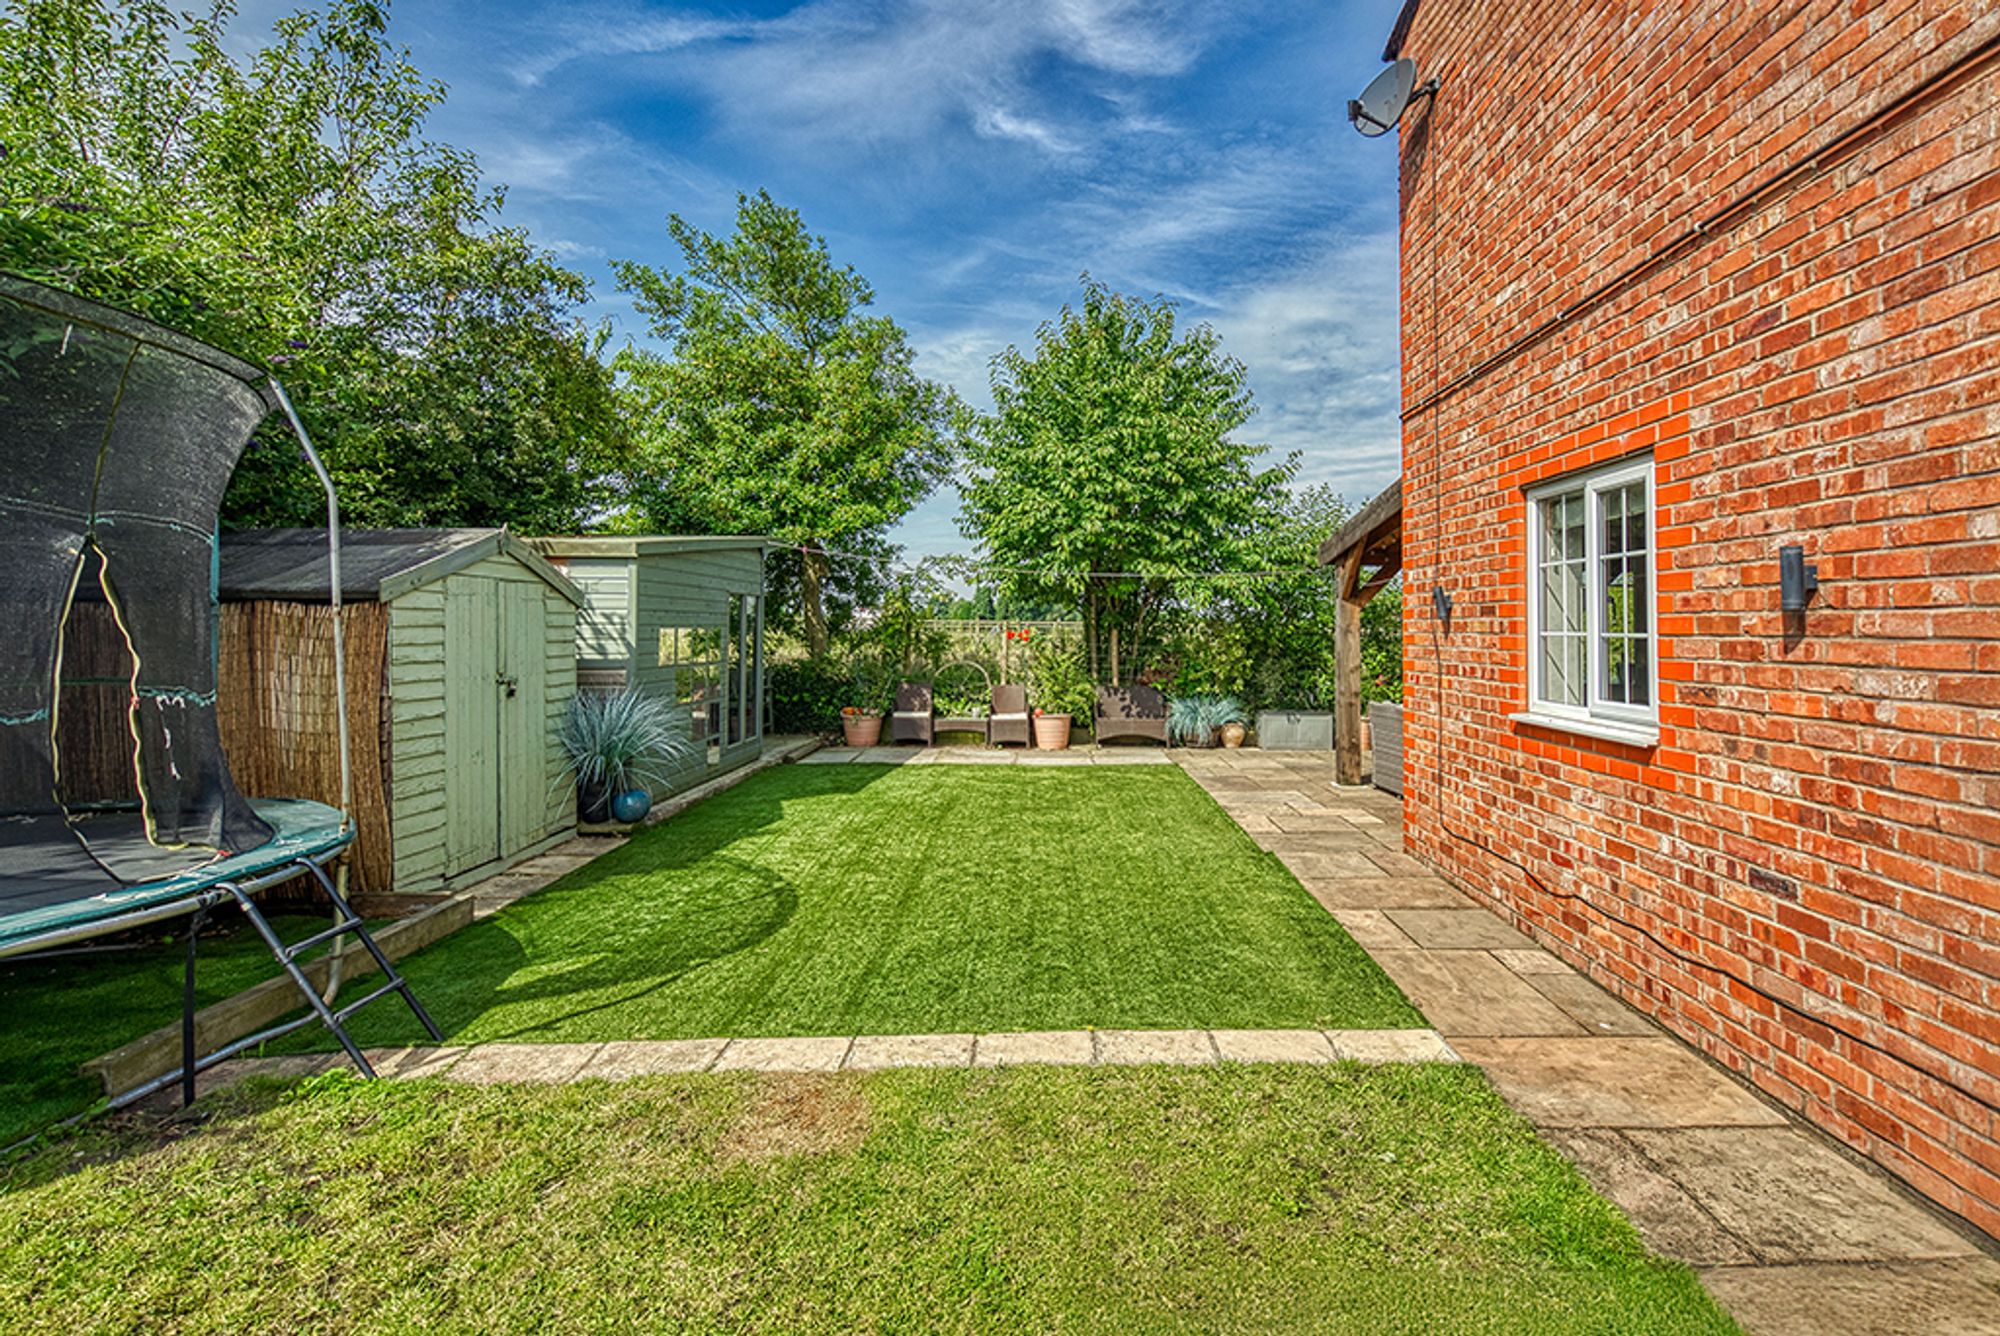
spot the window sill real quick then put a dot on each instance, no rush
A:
(1632, 735)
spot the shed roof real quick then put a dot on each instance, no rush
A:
(644, 545)
(375, 564)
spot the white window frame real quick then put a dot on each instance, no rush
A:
(1598, 716)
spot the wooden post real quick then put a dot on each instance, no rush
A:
(1115, 679)
(1347, 673)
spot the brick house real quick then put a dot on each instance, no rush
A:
(1683, 285)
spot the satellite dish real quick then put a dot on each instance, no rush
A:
(1383, 102)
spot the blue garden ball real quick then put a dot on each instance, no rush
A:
(631, 806)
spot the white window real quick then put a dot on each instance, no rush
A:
(1590, 599)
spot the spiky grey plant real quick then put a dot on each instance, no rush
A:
(619, 740)
(1193, 721)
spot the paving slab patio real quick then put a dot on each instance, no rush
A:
(1960, 1297)
(1792, 1234)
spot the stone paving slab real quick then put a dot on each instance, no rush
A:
(1315, 866)
(1666, 1215)
(407, 1064)
(1373, 930)
(1534, 960)
(1470, 994)
(492, 1064)
(1391, 1046)
(1064, 1047)
(1955, 1298)
(1792, 1198)
(1179, 1047)
(1458, 930)
(814, 1054)
(1273, 1046)
(875, 1052)
(1377, 892)
(622, 1059)
(1613, 1082)
(1587, 1004)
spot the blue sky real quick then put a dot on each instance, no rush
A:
(971, 158)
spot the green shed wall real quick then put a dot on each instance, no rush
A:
(629, 600)
(422, 769)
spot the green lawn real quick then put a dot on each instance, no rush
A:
(63, 1011)
(885, 900)
(1394, 1199)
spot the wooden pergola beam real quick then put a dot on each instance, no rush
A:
(1368, 549)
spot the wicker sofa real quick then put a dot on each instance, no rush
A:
(1130, 712)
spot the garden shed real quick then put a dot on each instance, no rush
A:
(682, 618)
(460, 665)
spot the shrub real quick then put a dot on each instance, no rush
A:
(1057, 679)
(806, 695)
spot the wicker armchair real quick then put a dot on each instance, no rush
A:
(1130, 712)
(1010, 721)
(914, 718)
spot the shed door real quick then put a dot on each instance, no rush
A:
(496, 797)
(523, 777)
(471, 722)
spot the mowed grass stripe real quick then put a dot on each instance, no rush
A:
(1348, 1199)
(906, 900)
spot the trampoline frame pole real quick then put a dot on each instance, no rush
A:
(339, 652)
(187, 1009)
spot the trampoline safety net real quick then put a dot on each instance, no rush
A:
(117, 439)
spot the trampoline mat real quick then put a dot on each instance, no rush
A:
(45, 885)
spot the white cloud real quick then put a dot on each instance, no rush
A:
(1321, 343)
(858, 73)
(600, 35)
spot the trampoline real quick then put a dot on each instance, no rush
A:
(117, 810)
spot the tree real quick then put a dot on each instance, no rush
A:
(288, 207)
(1108, 467)
(781, 406)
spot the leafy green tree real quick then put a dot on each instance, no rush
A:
(781, 406)
(1108, 466)
(287, 206)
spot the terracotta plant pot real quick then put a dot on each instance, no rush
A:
(1052, 732)
(862, 730)
(1233, 735)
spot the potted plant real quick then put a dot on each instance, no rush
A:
(1203, 721)
(874, 690)
(620, 744)
(861, 727)
(1059, 683)
(1231, 720)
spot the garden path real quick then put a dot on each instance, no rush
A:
(1790, 1232)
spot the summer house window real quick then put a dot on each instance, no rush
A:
(1590, 601)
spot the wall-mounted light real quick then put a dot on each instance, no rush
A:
(1797, 582)
(1441, 605)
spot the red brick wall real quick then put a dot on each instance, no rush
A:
(1803, 877)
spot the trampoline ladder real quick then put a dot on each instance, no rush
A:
(345, 921)
(335, 1020)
